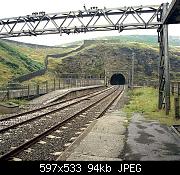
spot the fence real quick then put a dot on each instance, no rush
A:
(175, 90)
(33, 90)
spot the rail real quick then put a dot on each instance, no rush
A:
(112, 95)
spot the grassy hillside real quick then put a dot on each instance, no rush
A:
(14, 63)
(110, 53)
(18, 58)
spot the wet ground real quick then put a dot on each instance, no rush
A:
(150, 140)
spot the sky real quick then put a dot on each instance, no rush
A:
(14, 8)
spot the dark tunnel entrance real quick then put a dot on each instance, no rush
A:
(117, 79)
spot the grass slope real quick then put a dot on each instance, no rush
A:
(18, 58)
(144, 100)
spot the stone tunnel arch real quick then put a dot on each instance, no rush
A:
(117, 79)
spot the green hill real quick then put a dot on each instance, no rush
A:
(110, 53)
(18, 58)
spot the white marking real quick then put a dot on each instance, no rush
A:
(16, 159)
(69, 123)
(58, 131)
(56, 153)
(13, 147)
(7, 133)
(36, 135)
(77, 133)
(73, 138)
(67, 144)
(64, 127)
(87, 124)
(29, 150)
(49, 117)
(90, 121)
(82, 129)
(51, 136)
(58, 137)
(42, 142)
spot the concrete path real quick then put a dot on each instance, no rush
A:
(105, 141)
(149, 140)
(51, 96)
(109, 139)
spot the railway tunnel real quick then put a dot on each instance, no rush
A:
(117, 79)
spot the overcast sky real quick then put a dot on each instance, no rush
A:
(13, 8)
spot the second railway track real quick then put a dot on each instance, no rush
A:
(47, 137)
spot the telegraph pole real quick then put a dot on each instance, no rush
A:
(132, 71)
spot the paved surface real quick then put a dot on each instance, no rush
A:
(105, 141)
(149, 140)
(109, 138)
(49, 97)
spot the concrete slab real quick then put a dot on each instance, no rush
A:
(150, 140)
(103, 145)
(110, 125)
(51, 96)
(78, 157)
(104, 142)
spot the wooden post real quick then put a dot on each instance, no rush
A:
(59, 83)
(54, 84)
(28, 88)
(8, 93)
(37, 90)
(172, 88)
(46, 86)
(176, 107)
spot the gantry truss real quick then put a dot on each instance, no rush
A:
(87, 20)
(95, 19)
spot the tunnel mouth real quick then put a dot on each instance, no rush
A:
(117, 79)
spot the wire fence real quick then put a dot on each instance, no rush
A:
(17, 90)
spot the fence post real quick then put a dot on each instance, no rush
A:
(37, 90)
(46, 86)
(8, 93)
(54, 84)
(28, 90)
(178, 89)
(59, 83)
(176, 107)
(172, 88)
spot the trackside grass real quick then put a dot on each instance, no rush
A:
(145, 100)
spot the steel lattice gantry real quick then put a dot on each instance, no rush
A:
(87, 20)
(94, 19)
(164, 65)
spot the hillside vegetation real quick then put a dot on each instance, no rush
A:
(18, 58)
(106, 53)
(109, 55)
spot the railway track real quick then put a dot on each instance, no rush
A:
(24, 117)
(46, 137)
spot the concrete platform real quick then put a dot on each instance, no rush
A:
(54, 95)
(115, 137)
(105, 141)
(111, 138)
(150, 140)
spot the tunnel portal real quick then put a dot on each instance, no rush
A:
(117, 79)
